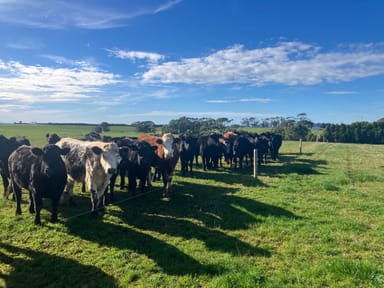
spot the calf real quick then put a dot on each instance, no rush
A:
(42, 172)
(166, 157)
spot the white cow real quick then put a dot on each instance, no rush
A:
(92, 163)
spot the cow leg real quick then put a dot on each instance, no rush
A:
(132, 183)
(190, 167)
(5, 184)
(55, 205)
(31, 202)
(122, 177)
(142, 185)
(17, 191)
(167, 181)
(112, 182)
(94, 202)
(69, 191)
(101, 204)
(38, 204)
(149, 178)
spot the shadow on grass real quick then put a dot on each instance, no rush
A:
(195, 211)
(169, 258)
(54, 271)
(293, 163)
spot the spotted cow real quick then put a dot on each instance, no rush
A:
(91, 162)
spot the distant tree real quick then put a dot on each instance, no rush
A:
(145, 126)
(105, 126)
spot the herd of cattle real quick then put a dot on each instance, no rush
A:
(97, 162)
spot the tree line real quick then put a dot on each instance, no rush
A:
(357, 132)
(291, 128)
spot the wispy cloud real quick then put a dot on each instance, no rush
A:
(208, 114)
(287, 63)
(341, 92)
(25, 44)
(34, 84)
(136, 55)
(87, 14)
(219, 101)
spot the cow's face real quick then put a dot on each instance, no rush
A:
(168, 140)
(110, 158)
(51, 161)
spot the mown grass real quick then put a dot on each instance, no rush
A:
(309, 220)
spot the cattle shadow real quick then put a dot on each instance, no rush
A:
(54, 271)
(169, 258)
(195, 211)
(229, 176)
(293, 164)
(214, 206)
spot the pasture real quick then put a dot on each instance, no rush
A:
(309, 220)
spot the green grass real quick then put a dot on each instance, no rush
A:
(309, 220)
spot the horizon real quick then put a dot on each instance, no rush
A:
(93, 62)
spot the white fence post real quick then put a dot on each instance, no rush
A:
(255, 163)
(301, 146)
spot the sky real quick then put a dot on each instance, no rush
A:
(122, 61)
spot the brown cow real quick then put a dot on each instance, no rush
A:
(166, 158)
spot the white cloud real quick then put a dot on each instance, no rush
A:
(136, 55)
(32, 84)
(288, 63)
(87, 14)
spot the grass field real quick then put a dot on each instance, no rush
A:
(309, 220)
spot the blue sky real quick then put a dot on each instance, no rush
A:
(123, 61)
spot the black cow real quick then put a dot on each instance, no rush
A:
(188, 147)
(242, 147)
(262, 145)
(210, 150)
(42, 172)
(139, 164)
(7, 146)
(275, 142)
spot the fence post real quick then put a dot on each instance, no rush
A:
(255, 163)
(301, 146)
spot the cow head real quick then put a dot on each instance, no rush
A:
(109, 156)
(52, 138)
(168, 140)
(50, 159)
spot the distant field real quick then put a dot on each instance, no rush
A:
(309, 220)
(36, 133)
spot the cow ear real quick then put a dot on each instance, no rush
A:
(37, 151)
(96, 150)
(159, 141)
(64, 151)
